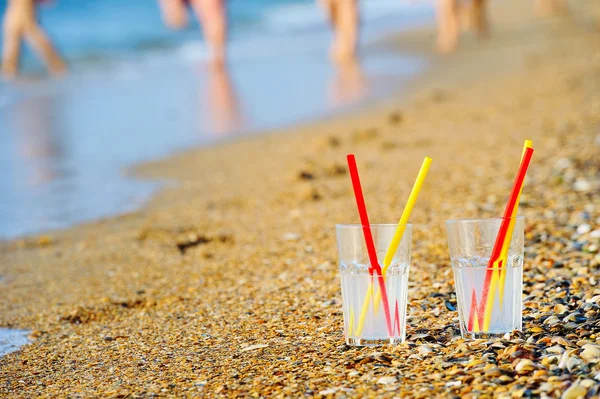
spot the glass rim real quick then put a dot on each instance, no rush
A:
(374, 275)
(473, 220)
(486, 267)
(355, 225)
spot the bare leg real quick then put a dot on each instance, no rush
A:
(329, 8)
(479, 17)
(174, 13)
(223, 106)
(343, 16)
(11, 49)
(38, 40)
(20, 21)
(448, 25)
(347, 35)
(350, 84)
(546, 8)
(213, 19)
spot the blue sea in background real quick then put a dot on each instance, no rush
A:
(100, 31)
(138, 91)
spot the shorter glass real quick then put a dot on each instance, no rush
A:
(489, 297)
(367, 322)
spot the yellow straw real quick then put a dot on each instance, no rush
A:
(393, 247)
(503, 258)
(410, 204)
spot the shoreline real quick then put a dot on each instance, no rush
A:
(255, 218)
(200, 107)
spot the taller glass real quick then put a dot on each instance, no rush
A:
(489, 296)
(368, 319)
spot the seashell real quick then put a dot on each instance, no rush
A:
(545, 387)
(560, 308)
(552, 320)
(387, 380)
(584, 342)
(550, 360)
(328, 391)
(575, 391)
(494, 372)
(560, 341)
(524, 366)
(584, 228)
(475, 362)
(488, 357)
(574, 364)
(563, 360)
(587, 383)
(540, 374)
(575, 317)
(558, 350)
(590, 352)
(425, 350)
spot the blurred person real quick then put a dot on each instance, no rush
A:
(349, 85)
(344, 19)
(36, 126)
(546, 8)
(20, 23)
(211, 15)
(449, 13)
(222, 105)
(473, 13)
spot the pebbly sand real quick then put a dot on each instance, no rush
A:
(227, 285)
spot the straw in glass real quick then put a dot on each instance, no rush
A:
(496, 263)
(393, 247)
(366, 226)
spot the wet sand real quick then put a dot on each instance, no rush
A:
(227, 284)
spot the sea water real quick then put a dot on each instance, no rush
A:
(137, 91)
(12, 340)
(356, 283)
(506, 311)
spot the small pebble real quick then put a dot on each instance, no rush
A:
(575, 391)
(583, 228)
(387, 380)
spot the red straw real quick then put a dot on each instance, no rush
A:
(510, 206)
(364, 220)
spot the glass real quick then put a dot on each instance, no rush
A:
(365, 321)
(489, 297)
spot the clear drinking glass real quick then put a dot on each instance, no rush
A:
(489, 297)
(365, 321)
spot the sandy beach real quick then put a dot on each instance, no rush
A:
(226, 285)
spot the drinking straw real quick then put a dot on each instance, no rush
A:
(508, 239)
(495, 263)
(410, 204)
(499, 271)
(499, 277)
(393, 247)
(396, 319)
(366, 226)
